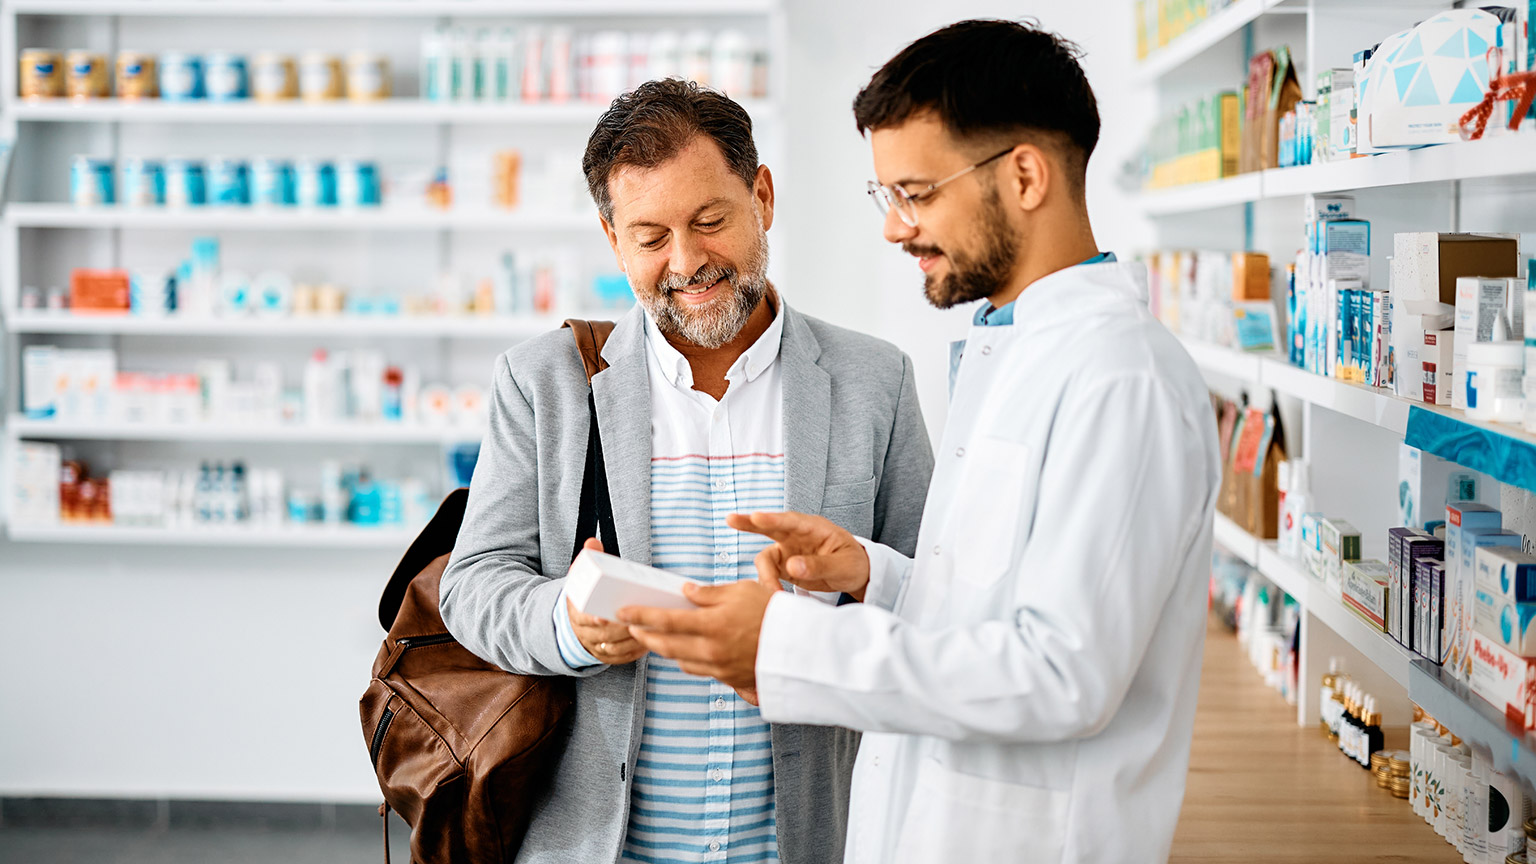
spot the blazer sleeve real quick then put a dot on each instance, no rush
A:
(495, 598)
(908, 468)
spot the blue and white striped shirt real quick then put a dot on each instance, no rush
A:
(703, 783)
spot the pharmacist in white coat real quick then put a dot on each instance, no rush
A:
(1028, 681)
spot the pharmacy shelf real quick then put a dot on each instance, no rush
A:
(489, 328)
(1228, 192)
(1224, 361)
(1328, 607)
(390, 8)
(289, 536)
(372, 433)
(1509, 155)
(398, 218)
(389, 111)
(1322, 604)
(1473, 719)
(1231, 537)
(1202, 37)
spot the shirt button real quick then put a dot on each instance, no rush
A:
(722, 483)
(959, 451)
(717, 775)
(722, 557)
(986, 349)
(720, 703)
(714, 846)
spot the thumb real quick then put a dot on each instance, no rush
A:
(705, 595)
(594, 544)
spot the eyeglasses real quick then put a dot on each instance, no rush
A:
(887, 197)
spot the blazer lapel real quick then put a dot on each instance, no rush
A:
(623, 395)
(807, 416)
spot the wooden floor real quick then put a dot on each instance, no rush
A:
(1262, 788)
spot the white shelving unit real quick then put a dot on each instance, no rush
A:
(370, 433)
(40, 237)
(388, 111)
(1349, 433)
(1509, 155)
(299, 537)
(494, 328)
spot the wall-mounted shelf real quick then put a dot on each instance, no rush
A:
(1504, 156)
(287, 536)
(372, 433)
(389, 8)
(488, 328)
(1202, 37)
(388, 111)
(1472, 718)
(207, 218)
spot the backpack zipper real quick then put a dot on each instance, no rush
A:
(409, 642)
(378, 735)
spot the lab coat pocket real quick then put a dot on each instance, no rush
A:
(960, 819)
(993, 508)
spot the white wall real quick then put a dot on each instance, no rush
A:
(235, 673)
(840, 268)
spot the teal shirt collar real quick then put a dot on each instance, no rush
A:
(987, 316)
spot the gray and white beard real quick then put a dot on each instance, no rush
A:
(722, 319)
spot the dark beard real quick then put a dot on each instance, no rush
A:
(976, 279)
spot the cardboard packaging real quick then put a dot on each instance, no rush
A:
(600, 585)
(1272, 90)
(1465, 600)
(1426, 265)
(1479, 304)
(1428, 609)
(1504, 679)
(99, 292)
(1250, 276)
(1438, 359)
(1366, 592)
(1398, 578)
(1341, 545)
(1506, 587)
(1415, 549)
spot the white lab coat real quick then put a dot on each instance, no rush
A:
(1028, 683)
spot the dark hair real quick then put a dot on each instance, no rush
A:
(654, 122)
(988, 81)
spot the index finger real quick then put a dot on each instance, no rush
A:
(775, 526)
(662, 620)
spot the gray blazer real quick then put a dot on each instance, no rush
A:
(856, 451)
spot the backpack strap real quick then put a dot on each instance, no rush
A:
(595, 518)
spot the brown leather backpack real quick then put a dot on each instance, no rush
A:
(462, 748)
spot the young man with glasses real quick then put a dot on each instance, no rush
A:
(1027, 682)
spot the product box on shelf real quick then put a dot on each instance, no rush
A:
(1414, 550)
(1423, 481)
(1312, 544)
(1410, 98)
(1250, 276)
(1438, 359)
(1272, 92)
(1462, 517)
(1341, 545)
(1461, 588)
(1428, 603)
(1479, 303)
(1398, 577)
(1504, 679)
(1366, 591)
(99, 291)
(35, 484)
(1506, 585)
(1426, 265)
(1506, 573)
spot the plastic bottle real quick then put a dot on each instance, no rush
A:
(240, 508)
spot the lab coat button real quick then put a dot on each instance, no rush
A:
(959, 451)
(936, 550)
(985, 350)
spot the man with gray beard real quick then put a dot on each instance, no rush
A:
(719, 398)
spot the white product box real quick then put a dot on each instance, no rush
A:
(35, 488)
(1422, 482)
(1479, 303)
(1504, 679)
(1438, 358)
(600, 585)
(1327, 207)
(39, 382)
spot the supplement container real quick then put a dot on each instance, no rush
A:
(186, 184)
(136, 78)
(314, 183)
(225, 77)
(181, 76)
(1495, 388)
(90, 182)
(42, 74)
(367, 76)
(272, 182)
(87, 76)
(357, 183)
(228, 182)
(274, 77)
(320, 77)
(143, 183)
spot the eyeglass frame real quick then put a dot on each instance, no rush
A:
(898, 199)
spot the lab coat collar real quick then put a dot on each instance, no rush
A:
(1073, 292)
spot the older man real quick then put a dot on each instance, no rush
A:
(719, 398)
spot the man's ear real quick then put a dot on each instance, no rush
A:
(613, 243)
(762, 195)
(1028, 175)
